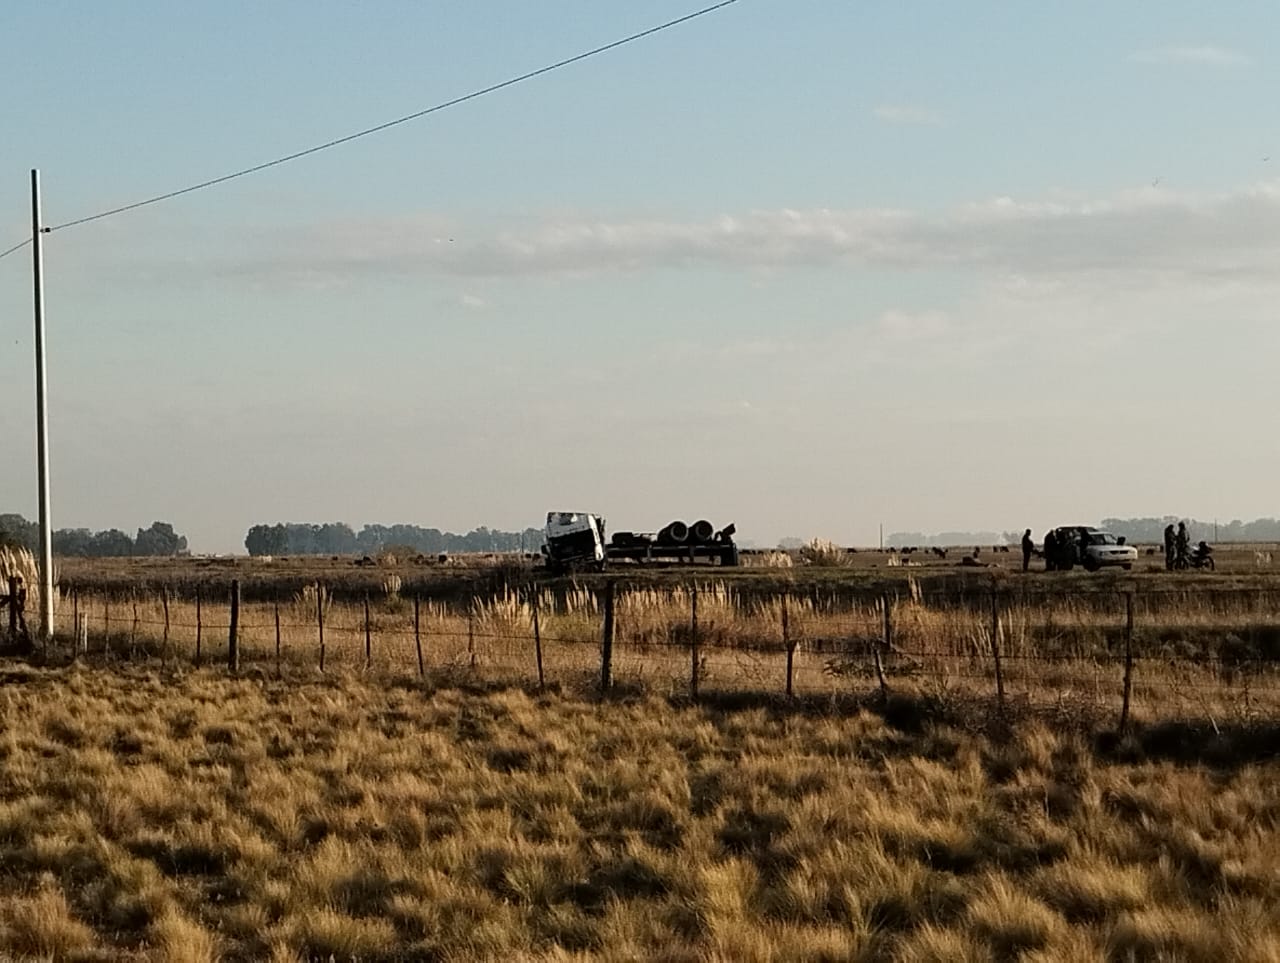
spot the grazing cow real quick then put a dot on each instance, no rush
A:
(940, 552)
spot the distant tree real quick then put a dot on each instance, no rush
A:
(159, 540)
(112, 543)
(73, 541)
(17, 531)
(267, 540)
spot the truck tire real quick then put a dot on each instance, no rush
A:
(1091, 565)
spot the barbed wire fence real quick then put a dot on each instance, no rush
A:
(1213, 652)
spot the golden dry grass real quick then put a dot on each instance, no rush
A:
(195, 817)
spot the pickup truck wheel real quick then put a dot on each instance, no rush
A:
(1090, 565)
(1127, 566)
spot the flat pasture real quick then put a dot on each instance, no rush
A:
(187, 815)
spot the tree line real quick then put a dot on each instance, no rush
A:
(339, 538)
(158, 540)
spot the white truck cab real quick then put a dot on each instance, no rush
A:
(574, 540)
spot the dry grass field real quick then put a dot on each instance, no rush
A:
(191, 816)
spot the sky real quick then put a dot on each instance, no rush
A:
(809, 266)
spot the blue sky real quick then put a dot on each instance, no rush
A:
(810, 266)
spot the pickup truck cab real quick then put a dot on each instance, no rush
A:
(1090, 547)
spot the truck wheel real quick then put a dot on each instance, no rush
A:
(1127, 566)
(1091, 565)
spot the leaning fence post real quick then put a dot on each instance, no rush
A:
(1128, 660)
(164, 647)
(995, 646)
(277, 614)
(233, 636)
(417, 635)
(368, 636)
(199, 625)
(693, 641)
(606, 640)
(537, 634)
(788, 645)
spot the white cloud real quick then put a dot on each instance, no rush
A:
(1204, 55)
(908, 115)
(1127, 237)
(913, 325)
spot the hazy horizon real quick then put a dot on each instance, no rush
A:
(811, 268)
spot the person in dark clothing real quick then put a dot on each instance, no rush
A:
(1168, 546)
(1050, 546)
(1028, 547)
(1182, 541)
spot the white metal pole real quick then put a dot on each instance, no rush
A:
(42, 416)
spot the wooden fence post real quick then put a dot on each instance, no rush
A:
(82, 634)
(199, 626)
(164, 647)
(995, 647)
(417, 635)
(13, 608)
(788, 645)
(1128, 660)
(133, 632)
(606, 641)
(471, 632)
(320, 620)
(277, 614)
(233, 631)
(106, 625)
(368, 636)
(886, 644)
(537, 634)
(75, 609)
(693, 642)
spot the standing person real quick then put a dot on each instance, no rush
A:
(1168, 546)
(1182, 541)
(1028, 547)
(1050, 546)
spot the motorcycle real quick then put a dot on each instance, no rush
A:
(1197, 559)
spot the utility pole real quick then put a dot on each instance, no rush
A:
(42, 415)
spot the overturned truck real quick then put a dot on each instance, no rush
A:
(575, 541)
